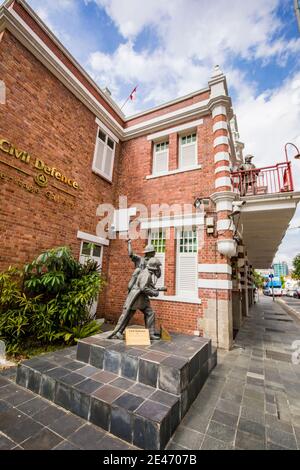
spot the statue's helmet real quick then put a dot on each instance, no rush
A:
(153, 264)
(149, 249)
(248, 158)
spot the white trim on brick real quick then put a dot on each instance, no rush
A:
(222, 139)
(183, 127)
(218, 110)
(215, 268)
(176, 221)
(179, 298)
(225, 224)
(87, 237)
(222, 168)
(220, 125)
(223, 181)
(223, 206)
(174, 172)
(220, 156)
(214, 284)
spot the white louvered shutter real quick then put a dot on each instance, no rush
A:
(188, 151)
(161, 157)
(99, 159)
(108, 165)
(161, 280)
(187, 263)
(187, 274)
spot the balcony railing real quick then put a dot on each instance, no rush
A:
(268, 180)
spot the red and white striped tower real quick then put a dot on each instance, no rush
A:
(223, 197)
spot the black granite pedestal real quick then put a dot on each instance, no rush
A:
(139, 394)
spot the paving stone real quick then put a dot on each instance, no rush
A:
(72, 378)
(253, 414)
(228, 407)
(100, 413)
(66, 425)
(225, 418)
(88, 437)
(33, 406)
(73, 365)
(123, 383)
(107, 393)
(16, 396)
(110, 443)
(209, 443)
(282, 438)
(188, 438)
(148, 373)
(66, 445)
(83, 351)
(23, 429)
(5, 443)
(88, 371)
(104, 376)
(97, 356)
(247, 441)
(44, 440)
(48, 415)
(252, 427)
(221, 431)
(128, 402)
(88, 386)
(174, 446)
(141, 390)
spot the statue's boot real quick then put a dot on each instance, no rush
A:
(154, 336)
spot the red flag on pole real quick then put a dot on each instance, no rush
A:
(133, 94)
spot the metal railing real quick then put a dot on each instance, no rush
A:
(268, 180)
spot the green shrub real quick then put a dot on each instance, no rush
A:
(48, 301)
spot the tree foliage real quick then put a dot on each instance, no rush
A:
(258, 280)
(48, 300)
(296, 266)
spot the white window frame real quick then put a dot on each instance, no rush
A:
(160, 255)
(181, 146)
(155, 153)
(110, 136)
(82, 256)
(193, 293)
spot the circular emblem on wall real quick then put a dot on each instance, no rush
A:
(41, 180)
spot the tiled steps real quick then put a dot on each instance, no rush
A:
(137, 394)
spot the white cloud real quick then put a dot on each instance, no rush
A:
(192, 36)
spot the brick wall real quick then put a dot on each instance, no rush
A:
(43, 118)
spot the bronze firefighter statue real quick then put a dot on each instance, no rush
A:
(140, 289)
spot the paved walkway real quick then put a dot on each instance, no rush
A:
(252, 398)
(250, 401)
(29, 422)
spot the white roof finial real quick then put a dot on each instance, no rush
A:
(216, 71)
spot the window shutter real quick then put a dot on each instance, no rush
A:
(160, 163)
(108, 165)
(188, 155)
(99, 155)
(187, 274)
(161, 280)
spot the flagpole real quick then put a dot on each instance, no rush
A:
(134, 89)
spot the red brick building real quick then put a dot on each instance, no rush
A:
(66, 148)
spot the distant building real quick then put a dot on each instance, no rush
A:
(281, 269)
(297, 10)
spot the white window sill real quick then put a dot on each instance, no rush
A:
(102, 175)
(178, 298)
(174, 172)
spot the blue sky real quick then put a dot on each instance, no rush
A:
(168, 48)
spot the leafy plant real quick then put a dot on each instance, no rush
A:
(296, 266)
(48, 301)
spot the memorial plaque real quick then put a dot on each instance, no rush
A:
(137, 337)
